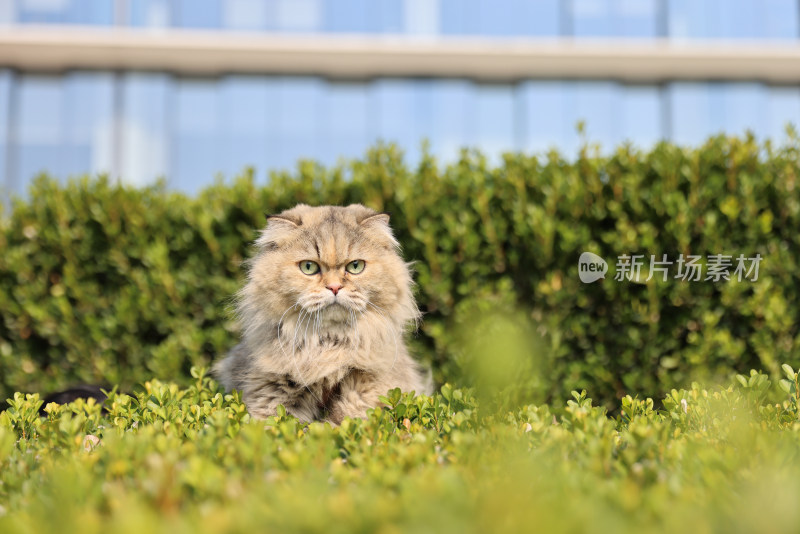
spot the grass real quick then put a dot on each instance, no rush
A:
(176, 460)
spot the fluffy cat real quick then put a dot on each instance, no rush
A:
(323, 313)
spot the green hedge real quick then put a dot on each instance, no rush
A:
(190, 460)
(104, 283)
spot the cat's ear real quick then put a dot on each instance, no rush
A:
(382, 217)
(280, 219)
(380, 222)
(278, 227)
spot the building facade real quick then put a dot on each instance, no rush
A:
(262, 83)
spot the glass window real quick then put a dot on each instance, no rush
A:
(541, 105)
(244, 124)
(351, 16)
(65, 125)
(552, 111)
(501, 17)
(783, 107)
(344, 131)
(66, 11)
(459, 17)
(88, 124)
(294, 110)
(297, 15)
(40, 125)
(8, 12)
(702, 109)
(519, 17)
(450, 111)
(420, 17)
(615, 18)
(775, 19)
(196, 145)
(641, 115)
(199, 13)
(150, 13)
(245, 14)
(689, 104)
(402, 113)
(611, 114)
(492, 129)
(6, 80)
(145, 127)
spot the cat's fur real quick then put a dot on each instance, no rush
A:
(323, 354)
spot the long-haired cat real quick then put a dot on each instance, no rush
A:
(323, 313)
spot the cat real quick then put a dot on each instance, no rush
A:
(323, 313)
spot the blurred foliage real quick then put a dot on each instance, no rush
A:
(106, 283)
(189, 459)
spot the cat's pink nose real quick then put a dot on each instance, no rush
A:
(334, 288)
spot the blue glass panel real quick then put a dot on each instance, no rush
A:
(199, 13)
(689, 104)
(150, 13)
(99, 12)
(597, 105)
(43, 11)
(6, 80)
(145, 127)
(702, 109)
(781, 19)
(501, 17)
(541, 18)
(196, 146)
(294, 112)
(418, 17)
(344, 129)
(88, 124)
(401, 113)
(617, 18)
(40, 124)
(742, 106)
(450, 110)
(783, 107)
(244, 128)
(542, 107)
(66, 11)
(391, 15)
(459, 17)
(296, 15)
(8, 12)
(247, 14)
(351, 16)
(493, 128)
(733, 18)
(551, 110)
(641, 120)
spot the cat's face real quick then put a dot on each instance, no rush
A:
(338, 263)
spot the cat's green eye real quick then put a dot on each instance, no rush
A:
(309, 267)
(355, 266)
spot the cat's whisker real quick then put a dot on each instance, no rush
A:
(351, 323)
(280, 321)
(304, 316)
(312, 317)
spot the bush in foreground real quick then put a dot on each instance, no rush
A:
(172, 459)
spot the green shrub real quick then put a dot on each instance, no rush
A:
(173, 459)
(112, 284)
